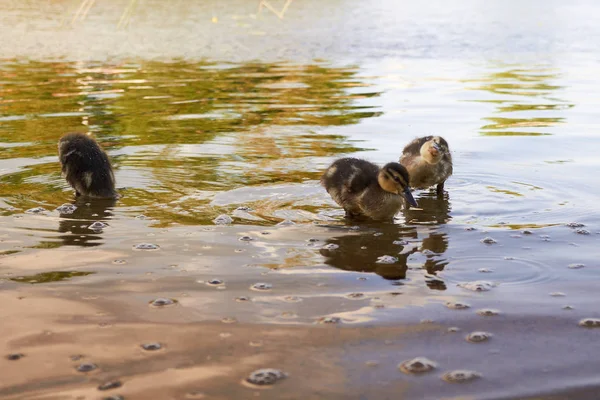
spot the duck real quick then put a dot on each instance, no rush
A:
(364, 189)
(428, 161)
(86, 167)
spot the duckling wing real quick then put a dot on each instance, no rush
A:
(359, 180)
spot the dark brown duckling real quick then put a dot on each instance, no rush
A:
(365, 190)
(428, 161)
(86, 166)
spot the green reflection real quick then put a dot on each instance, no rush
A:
(177, 132)
(528, 92)
(54, 276)
(9, 252)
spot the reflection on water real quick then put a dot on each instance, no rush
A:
(528, 91)
(179, 133)
(362, 250)
(75, 226)
(45, 277)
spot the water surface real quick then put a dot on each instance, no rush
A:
(228, 108)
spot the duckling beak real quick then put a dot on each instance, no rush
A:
(409, 197)
(435, 149)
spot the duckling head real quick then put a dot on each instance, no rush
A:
(434, 149)
(394, 178)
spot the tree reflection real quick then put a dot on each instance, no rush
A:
(178, 132)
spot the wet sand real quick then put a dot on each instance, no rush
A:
(343, 331)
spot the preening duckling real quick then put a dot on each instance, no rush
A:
(428, 161)
(86, 166)
(364, 189)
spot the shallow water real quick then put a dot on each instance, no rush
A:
(225, 108)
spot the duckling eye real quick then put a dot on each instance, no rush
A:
(398, 181)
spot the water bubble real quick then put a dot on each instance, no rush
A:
(417, 365)
(386, 260)
(242, 299)
(110, 385)
(228, 320)
(457, 305)
(313, 240)
(215, 282)
(478, 337)
(223, 219)
(66, 208)
(162, 302)
(330, 320)
(243, 208)
(400, 242)
(516, 236)
(86, 367)
(141, 216)
(544, 236)
(488, 312)
(355, 295)
(527, 232)
(477, 286)
(576, 266)
(582, 231)
(256, 343)
(371, 363)
(453, 329)
(575, 225)
(568, 307)
(362, 278)
(292, 299)
(146, 246)
(267, 376)
(261, 286)
(377, 234)
(470, 228)
(36, 210)
(460, 376)
(590, 322)
(119, 261)
(488, 240)
(331, 246)
(97, 226)
(245, 238)
(557, 294)
(76, 357)
(15, 356)
(485, 270)
(151, 346)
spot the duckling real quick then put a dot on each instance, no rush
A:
(364, 189)
(86, 166)
(428, 161)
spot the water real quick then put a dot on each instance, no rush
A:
(225, 252)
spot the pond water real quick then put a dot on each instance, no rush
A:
(235, 108)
